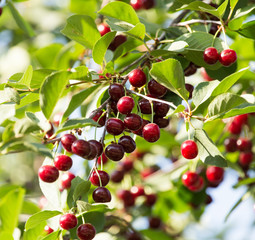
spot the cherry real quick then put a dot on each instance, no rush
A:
(116, 91)
(1, 11)
(101, 195)
(137, 78)
(208, 199)
(190, 70)
(160, 109)
(190, 179)
(133, 122)
(205, 75)
(137, 191)
(68, 221)
(100, 118)
(48, 229)
(190, 89)
(66, 180)
(156, 89)
(227, 57)
(189, 149)
(63, 162)
(57, 118)
(161, 122)
(117, 176)
(151, 132)
(198, 187)
(81, 148)
(154, 222)
(244, 144)
(245, 159)
(113, 106)
(115, 126)
(127, 165)
(235, 128)
(126, 197)
(67, 141)
(127, 143)
(133, 236)
(50, 132)
(140, 130)
(93, 152)
(211, 55)
(48, 173)
(230, 144)
(214, 28)
(150, 199)
(136, 4)
(148, 4)
(99, 146)
(102, 158)
(145, 106)
(86, 231)
(114, 152)
(117, 41)
(104, 176)
(125, 105)
(214, 174)
(103, 28)
(241, 119)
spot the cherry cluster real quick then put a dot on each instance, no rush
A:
(142, 4)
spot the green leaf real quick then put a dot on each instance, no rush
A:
(36, 219)
(247, 30)
(178, 46)
(81, 190)
(20, 21)
(39, 120)
(137, 32)
(224, 103)
(121, 11)
(233, 3)
(77, 123)
(52, 236)
(81, 73)
(82, 29)
(27, 76)
(78, 99)
(101, 47)
(153, 234)
(177, 4)
(9, 95)
(170, 74)
(75, 182)
(6, 235)
(207, 150)
(36, 232)
(222, 8)
(51, 90)
(29, 207)
(6, 111)
(97, 219)
(241, 12)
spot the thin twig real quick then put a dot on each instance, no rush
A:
(93, 114)
(194, 21)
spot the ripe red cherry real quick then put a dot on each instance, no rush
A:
(244, 144)
(137, 191)
(214, 174)
(104, 176)
(86, 231)
(127, 165)
(245, 159)
(145, 106)
(154, 222)
(133, 121)
(151, 132)
(50, 132)
(136, 4)
(156, 89)
(211, 55)
(117, 176)
(93, 152)
(189, 149)
(63, 162)
(241, 119)
(67, 141)
(160, 109)
(48, 173)
(99, 146)
(133, 236)
(227, 57)
(81, 148)
(235, 128)
(100, 118)
(140, 130)
(150, 199)
(230, 144)
(101, 195)
(190, 89)
(68, 221)
(117, 41)
(137, 78)
(115, 126)
(205, 75)
(102, 158)
(103, 28)
(66, 180)
(148, 4)
(190, 179)
(127, 143)
(161, 122)
(48, 229)
(116, 91)
(125, 105)
(114, 152)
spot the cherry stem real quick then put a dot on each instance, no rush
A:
(100, 181)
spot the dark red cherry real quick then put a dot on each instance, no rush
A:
(137, 191)
(140, 130)
(190, 89)
(137, 78)
(230, 144)
(125, 105)
(145, 106)
(115, 126)
(161, 122)
(190, 70)
(227, 57)
(48, 230)
(66, 179)
(86, 231)
(136, 4)
(48, 173)
(1, 11)
(104, 176)
(148, 4)
(160, 109)
(150, 199)
(101, 195)
(244, 144)
(50, 132)
(126, 165)
(154, 222)
(214, 174)
(116, 91)
(133, 121)
(100, 118)
(114, 152)
(156, 89)
(63, 162)
(127, 143)
(235, 128)
(67, 141)
(68, 221)
(117, 41)
(133, 236)
(189, 149)
(102, 158)
(211, 55)
(103, 28)
(81, 148)
(151, 132)
(245, 159)
(117, 176)
(93, 152)
(98, 145)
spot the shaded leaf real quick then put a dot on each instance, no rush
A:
(9, 95)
